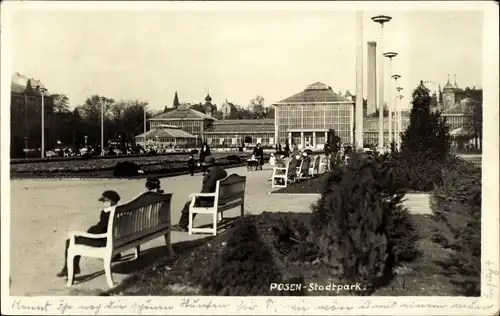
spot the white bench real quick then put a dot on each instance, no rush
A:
(145, 218)
(314, 167)
(301, 166)
(281, 175)
(229, 193)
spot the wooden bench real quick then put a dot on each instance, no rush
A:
(145, 218)
(314, 168)
(229, 193)
(304, 164)
(281, 176)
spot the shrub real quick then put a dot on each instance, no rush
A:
(456, 202)
(233, 158)
(360, 225)
(244, 267)
(348, 221)
(126, 169)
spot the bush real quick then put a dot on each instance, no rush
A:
(359, 223)
(126, 169)
(234, 158)
(348, 222)
(456, 202)
(244, 268)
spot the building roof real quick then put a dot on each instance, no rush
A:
(316, 92)
(183, 113)
(19, 83)
(167, 131)
(241, 126)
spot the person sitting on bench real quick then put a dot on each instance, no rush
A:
(153, 185)
(109, 200)
(209, 184)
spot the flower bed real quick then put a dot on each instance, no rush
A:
(181, 276)
(95, 167)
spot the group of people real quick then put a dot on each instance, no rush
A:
(296, 157)
(110, 200)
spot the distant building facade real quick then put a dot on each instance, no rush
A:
(164, 137)
(305, 118)
(26, 115)
(233, 133)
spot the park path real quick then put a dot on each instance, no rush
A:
(44, 211)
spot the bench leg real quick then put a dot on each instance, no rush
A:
(107, 271)
(190, 223)
(168, 242)
(70, 264)
(242, 210)
(137, 250)
(215, 216)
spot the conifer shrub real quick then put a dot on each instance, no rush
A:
(245, 267)
(359, 223)
(425, 144)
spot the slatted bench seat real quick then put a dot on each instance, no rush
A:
(145, 218)
(281, 176)
(229, 194)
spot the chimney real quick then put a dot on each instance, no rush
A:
(372, 78)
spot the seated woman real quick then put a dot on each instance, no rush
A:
(109, 200)
(306, 161)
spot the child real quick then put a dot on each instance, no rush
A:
(272, 163)
(191, 165)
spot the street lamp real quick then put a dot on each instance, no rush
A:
(396, 78)
(145, 106)
(102, 99)
(399, 122)
(381, 19)
(42, 90)
(390, 55)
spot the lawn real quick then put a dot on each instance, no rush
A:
(179, 276)
(309, 186)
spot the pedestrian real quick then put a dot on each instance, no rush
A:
(153, 185)
(191, 165)
(209, 184)
(204, 153)
(259, 155)
(109, 200)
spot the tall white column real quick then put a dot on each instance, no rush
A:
(392, 91)
(359, 81)
(102, 126)
(43, 123)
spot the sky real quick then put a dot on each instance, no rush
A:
(149, 55)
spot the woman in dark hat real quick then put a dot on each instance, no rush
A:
(259, 155)
(153, 185)
(204, 153)
(109, 200)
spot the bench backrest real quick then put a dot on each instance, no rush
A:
(144, 215)
(291, 167)
(231, 188)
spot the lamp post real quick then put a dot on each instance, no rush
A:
(399, 122)
(359, 81)
(85, 140)
(26, 146)
(381, 19)
(145, 105)
(392, 100)
(395, 77)
(42, 90)
(102, 99)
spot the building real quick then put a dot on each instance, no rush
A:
(371, 128)
(26, 115)
(232, 133)
(305, 118)
(163, 137)
(192, 121)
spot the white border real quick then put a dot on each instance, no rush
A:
(282, 305)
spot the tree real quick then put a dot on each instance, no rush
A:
(269, 112)
(257, 107)
(427, 132)
(61, 103)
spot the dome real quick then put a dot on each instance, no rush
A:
(19, 79)
(318, 86)
(466, 101)
(448, 86)
(208, 98)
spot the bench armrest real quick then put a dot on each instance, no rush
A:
(279, 168)
(74, 234)
(196, 195)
